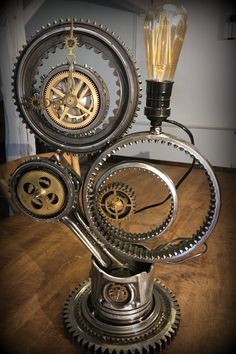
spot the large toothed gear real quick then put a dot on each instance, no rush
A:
(44, 189)
(58, 124)
(149, 336)
(123, 242)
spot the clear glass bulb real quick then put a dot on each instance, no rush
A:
(165, 28)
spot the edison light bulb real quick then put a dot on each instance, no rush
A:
(165, 28)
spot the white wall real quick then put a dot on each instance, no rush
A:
(203, 94)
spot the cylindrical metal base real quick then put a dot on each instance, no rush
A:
(121, 312)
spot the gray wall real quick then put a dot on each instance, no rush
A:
(203, 95)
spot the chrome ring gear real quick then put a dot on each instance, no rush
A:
(44, 190)
(171, 252)
(116, 202)
(91, 333)
(106, 227)
(125, 76)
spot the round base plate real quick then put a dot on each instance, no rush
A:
(150, 335)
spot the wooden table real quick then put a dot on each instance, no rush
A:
(42, 263)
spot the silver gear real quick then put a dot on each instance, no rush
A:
(79, 322)
(170, 252)
(90, 36)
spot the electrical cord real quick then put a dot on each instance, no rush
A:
(186, 130)
(181, 180)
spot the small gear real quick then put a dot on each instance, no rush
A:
(36, 103)
(72, 107)
(148, 336)
(118, 293)
(116, 202)
(71, 43)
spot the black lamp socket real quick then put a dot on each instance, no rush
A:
(158, 101)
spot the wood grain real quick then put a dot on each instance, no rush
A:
(42, 263)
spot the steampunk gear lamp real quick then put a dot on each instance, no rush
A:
(122, 308)
(165, 28)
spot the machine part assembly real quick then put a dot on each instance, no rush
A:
(118, 312)
(127, 245)
(70, 113)
(43, 189)
(75, 109)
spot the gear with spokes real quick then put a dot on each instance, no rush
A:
(116, 202)
(72, 107)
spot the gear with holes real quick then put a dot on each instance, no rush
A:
(116, 202)
(98, 211)
(126, 245)
(74, 107)
(44, 189)
(102, 127)
(150, 335)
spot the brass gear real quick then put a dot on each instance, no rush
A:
(71, 43)
(36, 103)
(41, 193)
(72, 107)
(118, 293)
(116, 202)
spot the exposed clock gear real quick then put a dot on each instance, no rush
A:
(116, 202)
(118, 293)
(74, 107)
